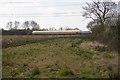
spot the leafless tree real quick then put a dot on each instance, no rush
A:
(9, 25)
(17, 23)
(91, 25)
(60, 28)
(26, 24)
(98, 11)
(34, 25)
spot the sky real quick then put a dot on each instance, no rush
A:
(47, 13)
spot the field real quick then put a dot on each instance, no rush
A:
(57, 57)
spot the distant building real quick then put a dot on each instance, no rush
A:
(60, 32)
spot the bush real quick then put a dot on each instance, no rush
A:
(108, 36)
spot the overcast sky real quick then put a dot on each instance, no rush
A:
(48, 13)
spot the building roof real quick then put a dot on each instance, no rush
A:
(57, 32)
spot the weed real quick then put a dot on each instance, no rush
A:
(88, 72)
(65, 72)
(16, 71)
(85, 54)
(113, 73)
(48, 66)
(108, 55)
(100, 48)
(73, 45)
(76, 42)
(35, 71)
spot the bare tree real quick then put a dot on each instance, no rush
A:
(9, 25)
(60, 28)
(26, 25)
(52, 29)
(34, 25)
(91, 25)
(98, 11)
(37, 27)
(17, 23)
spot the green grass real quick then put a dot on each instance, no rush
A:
(65, 72)
(89, 73)
(56, 58)
(101, 48)
(35, 72)
(12, 41)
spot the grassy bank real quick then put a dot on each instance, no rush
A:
(18, 40)
(61, 57)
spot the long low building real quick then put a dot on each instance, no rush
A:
(62, 32)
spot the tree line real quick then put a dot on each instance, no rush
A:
(26, 25)
(32, 25)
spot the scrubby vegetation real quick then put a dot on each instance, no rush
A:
(104, 24)
(15, 40)
(16, 32)
(10, 41)
(61, 57)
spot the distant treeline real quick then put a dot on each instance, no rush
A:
(16, 32)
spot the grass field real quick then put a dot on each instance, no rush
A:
(60, 57)
(14, 40)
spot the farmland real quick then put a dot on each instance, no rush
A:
(43, 56)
